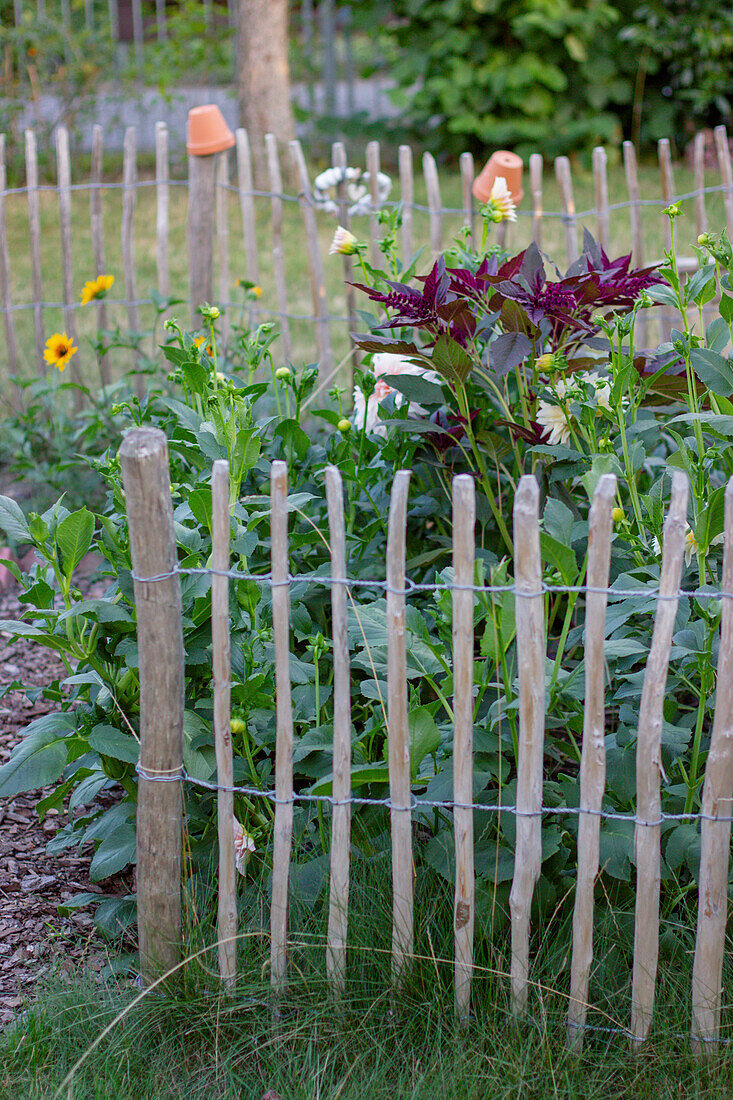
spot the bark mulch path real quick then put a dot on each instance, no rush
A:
(33, 937)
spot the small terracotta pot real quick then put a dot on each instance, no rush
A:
(207, 131)
(501, 163)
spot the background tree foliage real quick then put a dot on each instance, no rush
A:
(552, 75)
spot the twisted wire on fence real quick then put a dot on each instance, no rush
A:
(419, 803)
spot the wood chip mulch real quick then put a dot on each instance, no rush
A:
(33, 937)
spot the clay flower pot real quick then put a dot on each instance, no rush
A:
(207, 131)
(501, 163)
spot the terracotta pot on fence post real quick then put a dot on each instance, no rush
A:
(502, 163)
(208, 135)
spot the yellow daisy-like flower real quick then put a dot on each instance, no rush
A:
(256, 291)
(59, 350)
(96, 288)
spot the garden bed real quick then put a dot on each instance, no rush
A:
(34, 937)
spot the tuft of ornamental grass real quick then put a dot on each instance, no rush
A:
(92, 1042)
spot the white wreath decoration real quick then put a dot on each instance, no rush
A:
(357, 190)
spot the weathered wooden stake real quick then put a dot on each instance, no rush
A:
(647, 834)
(531, 664)
(338, 912)
(220, 638)
(144, 460)
(283, 832)
(593, 756)
(464, 519)
(278, 253)
(717, 802)
(200, 231)
(407, 191)
(398, 732)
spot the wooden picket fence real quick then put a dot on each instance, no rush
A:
(209, 241)
(144, 461)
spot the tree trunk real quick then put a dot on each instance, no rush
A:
(264, 76)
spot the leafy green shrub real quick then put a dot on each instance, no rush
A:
(551, 77)
(496, 367)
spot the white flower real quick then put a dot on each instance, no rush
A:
(602, 387)
(691, 544)
(386, 363)
(553, 415)
(357, 190)
(555, 423)
(244, 845)
(343, 242)
(501, 206)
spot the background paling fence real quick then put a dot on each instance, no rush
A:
(156, 578)
(134, 31)
(53, 238)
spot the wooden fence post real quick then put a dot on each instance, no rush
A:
(200, 231)
(593, 756)
(283, 831)
(144, 460)
(717, 800)
(338, 911)
(398, 732)
(464, 520)
(226, 928)
(647, 834)
(531, 664)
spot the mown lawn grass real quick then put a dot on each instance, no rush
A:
(299, 292)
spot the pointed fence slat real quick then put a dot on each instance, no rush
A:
(407, 191)
(220, 641)
(717, 806)
(63, 170)
(222, 237)
(469, 213)
(315, 262)
(432, 186)
(97, 226)
(664, 152)
(600, 180)
(726, 174)
(535, 183)
(373, 166)
(34, 226)
(637, 237)
(338, 161)
(398, 732)
(5, 298)
(632, 184)
(531, 665)
(647, 833)
(278, 254)
(593, 756)
(338, 910)
(200, 218)
(129, 202)
(567, 202)
(162, 216)
(701, 219)
(283, 829)
(245, 187)
(464, 519)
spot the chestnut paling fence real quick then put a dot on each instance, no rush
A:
(157, 577)
(316, 324)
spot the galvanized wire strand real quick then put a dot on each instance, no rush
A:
(437, 586)
(181, 775)
(713, 189)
